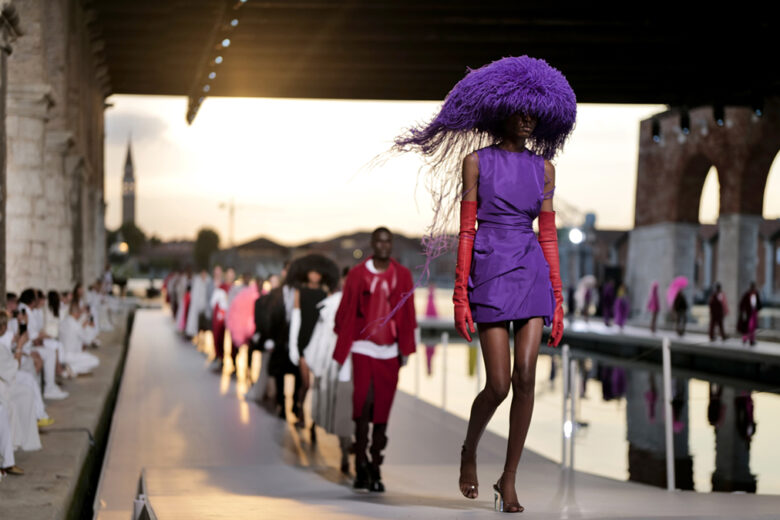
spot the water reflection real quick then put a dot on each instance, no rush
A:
(619, 430)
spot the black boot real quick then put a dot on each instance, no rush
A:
(345, 443)
(378, 444)
(362, 476)
(376, 479)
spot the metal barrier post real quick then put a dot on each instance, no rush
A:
(445, 339)
(667, 372)
(565, 354)
(417, 371)
(573, 391)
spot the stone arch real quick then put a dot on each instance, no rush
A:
(704, 212)
(676, 151)
(772, 181)
(690, 183)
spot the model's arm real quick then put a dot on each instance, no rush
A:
(548, 240)
(295, 328)
(468, 218)
(470, 177)
(346, 315)
(549, 186)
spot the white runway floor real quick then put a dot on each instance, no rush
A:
(210, 454)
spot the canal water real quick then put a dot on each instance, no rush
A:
(621, 420)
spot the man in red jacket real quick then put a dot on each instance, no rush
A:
(376, 324)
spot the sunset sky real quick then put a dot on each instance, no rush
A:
(296, 168)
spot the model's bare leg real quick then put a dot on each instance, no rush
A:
(300, 395)
(527, 341)
(494, 340)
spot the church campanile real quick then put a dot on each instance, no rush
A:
(128, 190)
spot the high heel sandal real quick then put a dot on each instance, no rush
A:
(473, 487)
(498, 499)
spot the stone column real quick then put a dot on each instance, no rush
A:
(659, 252)
(646, 437)
(9, 31)
(27, 233)
(57, 195)
(732, 452)
(74, 171)
(707, 245)
(769, 264)
(737, 261)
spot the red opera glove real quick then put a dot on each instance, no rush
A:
(468, 218)
(548, 239)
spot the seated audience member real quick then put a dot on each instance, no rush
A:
(75, 334)
(49, 349)
(17, 398)
(7, 461)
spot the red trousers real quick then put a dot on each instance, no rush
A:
(382, 374)
(218, 329)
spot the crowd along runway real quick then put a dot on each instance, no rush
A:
(208, 453)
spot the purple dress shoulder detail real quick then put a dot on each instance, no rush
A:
(510, 278)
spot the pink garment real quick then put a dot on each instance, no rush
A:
(430, 311)
(752, 325)
(653, 305)
(430, 350)
(676, 286)
(240, 318)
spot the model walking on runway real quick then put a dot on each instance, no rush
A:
(504, 123)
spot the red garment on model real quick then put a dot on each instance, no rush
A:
(464, 323)
(218, 325)
(186, 306)
(383, 374)
(367, 299)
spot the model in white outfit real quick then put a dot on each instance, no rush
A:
(198, 302)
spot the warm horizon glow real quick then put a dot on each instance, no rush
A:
(296, 169)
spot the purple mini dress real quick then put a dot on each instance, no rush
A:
(510, 278)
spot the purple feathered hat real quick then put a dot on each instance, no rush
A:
(471, 118)
(487, 96)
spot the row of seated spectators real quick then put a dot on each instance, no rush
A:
(43, 342)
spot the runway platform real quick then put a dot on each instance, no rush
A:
(208, 453)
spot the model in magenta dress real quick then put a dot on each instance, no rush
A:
(510, 278)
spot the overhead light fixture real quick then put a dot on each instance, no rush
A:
(718, 113)
(226, 42)
(758, 107)
(656, 130)
(218, 60)
(685, 121)
(234, 22)
(206, 88)
(212, 75)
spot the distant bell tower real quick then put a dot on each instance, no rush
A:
(128, 189)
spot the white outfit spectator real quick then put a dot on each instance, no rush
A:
(49, 350)
(75, 335)
(17, 398)
(6, 440)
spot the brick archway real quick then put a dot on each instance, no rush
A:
(671, 170)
